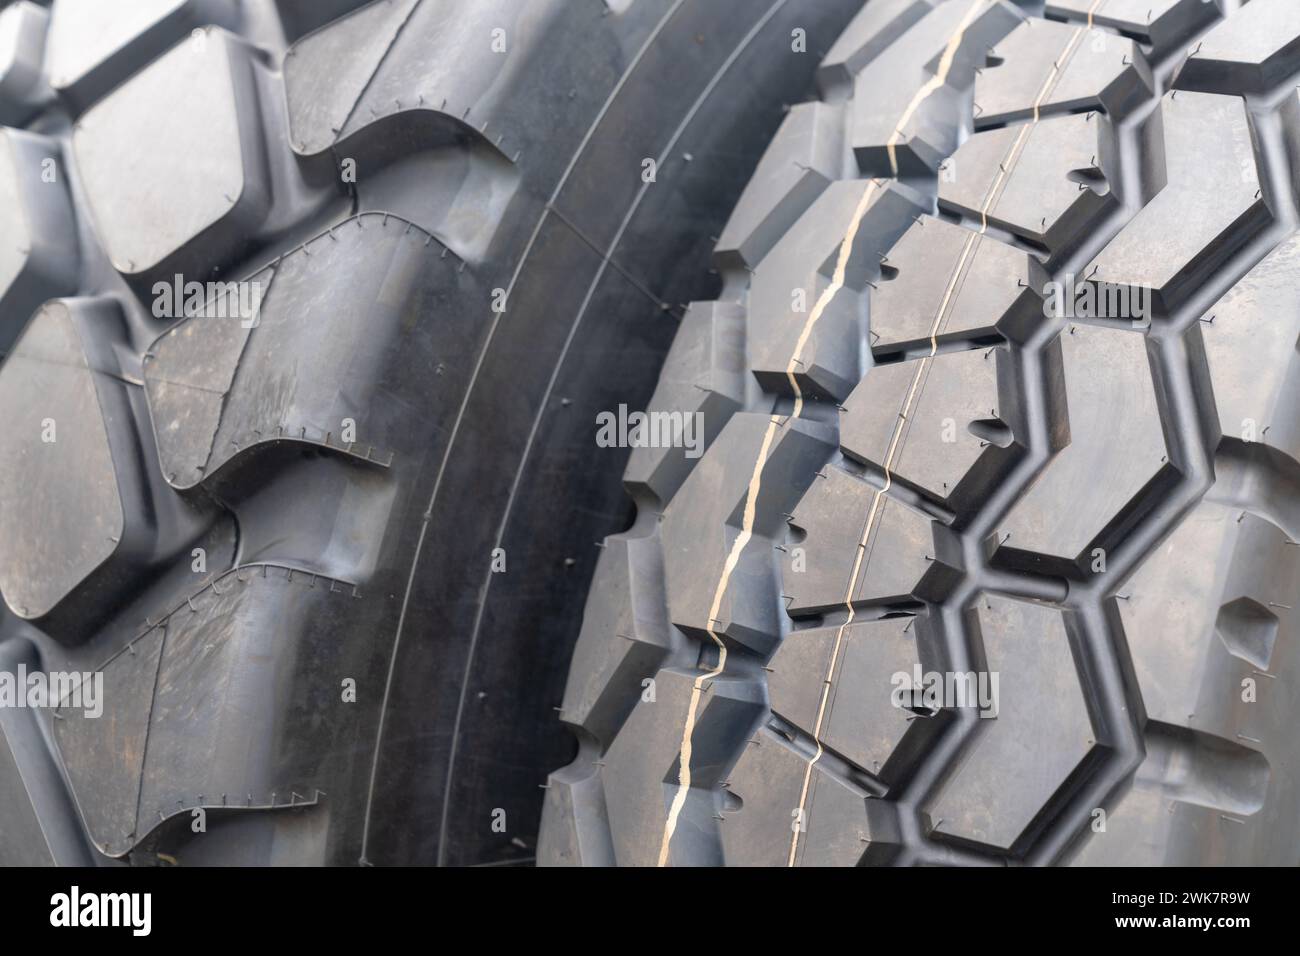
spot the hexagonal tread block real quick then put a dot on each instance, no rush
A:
(404, 59)
(1206, 614)
(23, 86)
(624, 640)
(273, 368)
(869, 718)
(1211, 205)
(1048, 183)
(956, 285)
(1209, 624)
(702, 385)
(1260, 315)
(885, 93)
(1160, 23)
(39, 253)
(1112, 466)
(94, 46)
(876, 26)
(1251, 51)
(799, 271)
(708, 513)
(69, 511)
(1022, 760)
(841, 823)
(806, 156)
(191, 198)
(829, 522)
(935, 424)
(1099, 71)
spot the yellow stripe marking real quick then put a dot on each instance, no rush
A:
(751, 503)
(994, 192)
(935, 82)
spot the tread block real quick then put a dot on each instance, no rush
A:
(70, 511)
(157, 200)
(876, 26)
(1209, 610)
(961, 427)
(829, 521)
(23, 87)
(39, 255)
(1049, 183)
(298, 372)
(996, 296)
(841, 822)
(1102, 72)
(205, 708)
(1039, 739)
(1104, 369)
(864, 723)
(1204, 770)
(1195, 801)
(805, 157)
(703, 375)
(408, 60)
(641, 768)
(1163, 24)
(885, 93)
(1251, 51)
(1210, 206)
(1254, 401)
(1211, 634)
(94, 46)
(575, 823)
(625, 636)
(708, 513)
(791, 279)
(326, 73)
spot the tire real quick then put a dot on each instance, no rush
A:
(303, 524)
(989, 558)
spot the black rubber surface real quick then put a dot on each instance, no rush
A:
(926, 458)
(270, 514)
